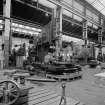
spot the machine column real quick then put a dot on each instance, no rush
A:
(6, 31)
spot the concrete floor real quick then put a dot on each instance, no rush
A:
(85, 90)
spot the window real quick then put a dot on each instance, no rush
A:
(102, 21)
(65, 12)
(95, 17)
(77, 18)
(88, 13)
(69, 2)
(78, 6)
(95, 27)
(89, 24)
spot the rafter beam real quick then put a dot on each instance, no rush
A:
(36, 7)
(70, 9)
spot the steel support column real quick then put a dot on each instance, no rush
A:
(85, 37)
(6, 31)
(100, 42)
(58, 29)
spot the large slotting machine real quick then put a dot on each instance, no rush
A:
(11, 91)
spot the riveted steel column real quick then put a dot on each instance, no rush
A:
(58, 29)
(100, 41)
(54, 24)
(6, 32)
(85, 37)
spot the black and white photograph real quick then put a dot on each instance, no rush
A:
(52, 52)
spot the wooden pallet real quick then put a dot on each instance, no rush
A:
(66, 77)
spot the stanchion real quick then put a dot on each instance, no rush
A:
(63, 97)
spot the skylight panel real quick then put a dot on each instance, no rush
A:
(102, 1)
(90, 1)
(103, 11)
(67, 13)
(98, 5)
(89, 24)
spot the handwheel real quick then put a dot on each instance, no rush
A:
(9, 92)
